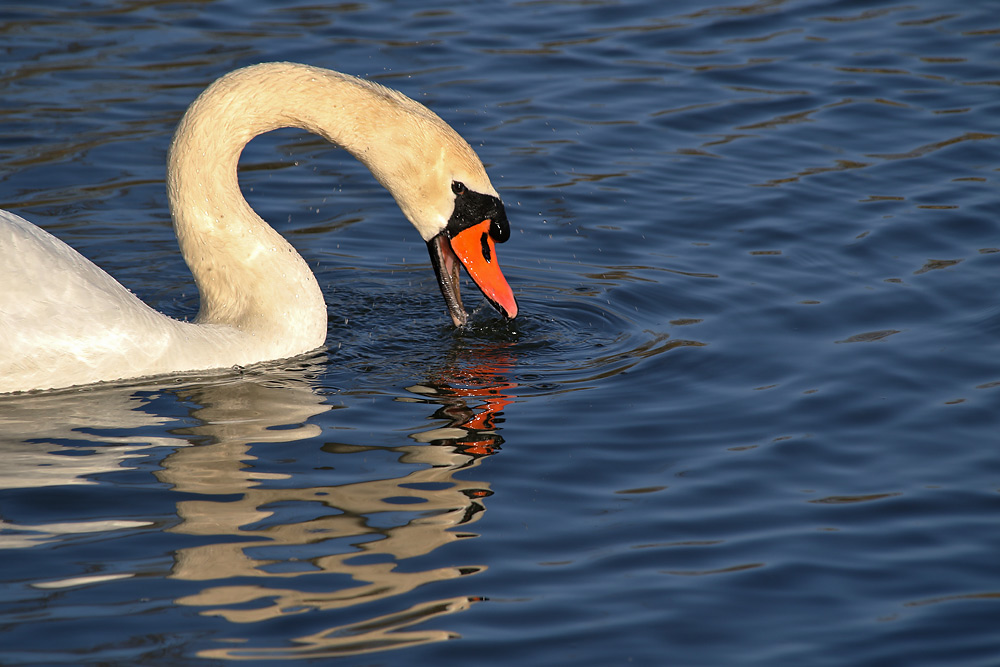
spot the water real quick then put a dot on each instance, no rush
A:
(747, 414)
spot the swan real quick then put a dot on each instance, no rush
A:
(66, 322)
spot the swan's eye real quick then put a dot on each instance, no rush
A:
(458, 188)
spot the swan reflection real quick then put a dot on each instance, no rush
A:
(40, 440)
(322, 526)
(361, 529)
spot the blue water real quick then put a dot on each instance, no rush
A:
(747, 415)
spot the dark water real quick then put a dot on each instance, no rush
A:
(748, 414)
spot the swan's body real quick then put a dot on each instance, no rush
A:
(64, 321)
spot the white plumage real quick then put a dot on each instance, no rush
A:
(64, 321)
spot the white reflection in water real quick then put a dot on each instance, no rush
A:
(37, 434)
(426, 505)
(40, 445)
(56, 440)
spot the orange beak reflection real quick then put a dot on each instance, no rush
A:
(474, 248)
(474, 389)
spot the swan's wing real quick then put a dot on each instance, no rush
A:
(60, 313)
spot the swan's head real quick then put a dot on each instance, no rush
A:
(441, 186)
(459, 214)
(477, 222)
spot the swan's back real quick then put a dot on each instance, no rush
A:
(64, 321)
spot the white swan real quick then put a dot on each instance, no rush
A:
(64, 321)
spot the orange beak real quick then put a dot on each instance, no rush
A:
(474, 248)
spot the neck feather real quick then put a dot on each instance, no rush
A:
(247, 275)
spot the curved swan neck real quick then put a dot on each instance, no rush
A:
(403, 143)
(227, 246)
(407, 147)
(257, 99)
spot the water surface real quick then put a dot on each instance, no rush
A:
(747, 414)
